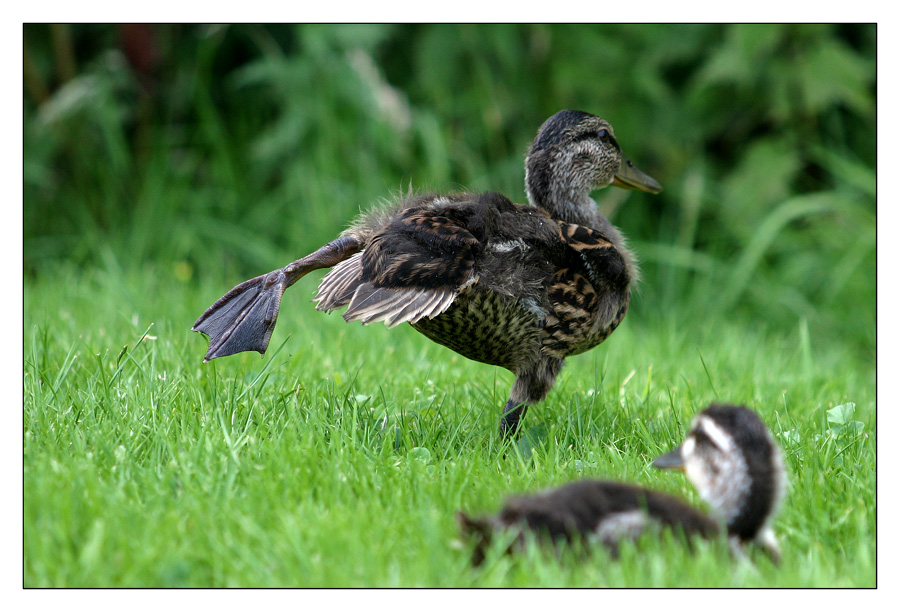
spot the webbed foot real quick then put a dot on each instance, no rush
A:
(243, 318)
(512, 415)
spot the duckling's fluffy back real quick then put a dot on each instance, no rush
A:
(588, 510)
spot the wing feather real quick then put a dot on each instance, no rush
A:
(338, 286)
(413, 267)
(397, 305)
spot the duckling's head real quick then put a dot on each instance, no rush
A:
(731, 458)
(573, 154)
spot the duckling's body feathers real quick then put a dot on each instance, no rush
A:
(585, 506)
(589, 510)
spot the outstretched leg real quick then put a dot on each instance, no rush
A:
(531, 386)
(243, 318)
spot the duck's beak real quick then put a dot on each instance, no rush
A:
(670, 461)
(630, 176)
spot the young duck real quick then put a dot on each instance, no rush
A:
(517, 286)
(729, 456)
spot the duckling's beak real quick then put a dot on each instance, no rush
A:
(670, 461)
(630, 176)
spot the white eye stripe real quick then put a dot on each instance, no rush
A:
(714, 432)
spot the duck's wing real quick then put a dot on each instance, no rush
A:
(605, 264)
(581, 238)
(413, 268)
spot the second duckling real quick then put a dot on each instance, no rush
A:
(729, 455)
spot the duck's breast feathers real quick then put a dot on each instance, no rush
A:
(587, 294)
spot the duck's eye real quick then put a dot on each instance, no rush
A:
(603, 135)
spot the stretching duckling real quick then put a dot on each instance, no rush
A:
(729, 456)
(516, 286)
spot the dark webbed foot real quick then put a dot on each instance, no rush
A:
(512, 415)
(243, 318)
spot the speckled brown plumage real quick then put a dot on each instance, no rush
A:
(517, 286)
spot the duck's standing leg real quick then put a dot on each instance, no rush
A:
(243, 318)
(532, 384)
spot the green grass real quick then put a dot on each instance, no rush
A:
(341, 457)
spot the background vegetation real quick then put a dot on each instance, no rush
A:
(163, 164)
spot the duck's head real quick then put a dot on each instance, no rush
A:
(731, 458)
(573, 154)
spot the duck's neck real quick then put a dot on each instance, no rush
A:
(573, 208)
(561, 196)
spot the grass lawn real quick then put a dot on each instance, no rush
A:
(340, 458)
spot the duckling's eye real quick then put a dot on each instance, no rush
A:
(603, 135)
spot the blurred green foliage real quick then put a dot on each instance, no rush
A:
(227, 151)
